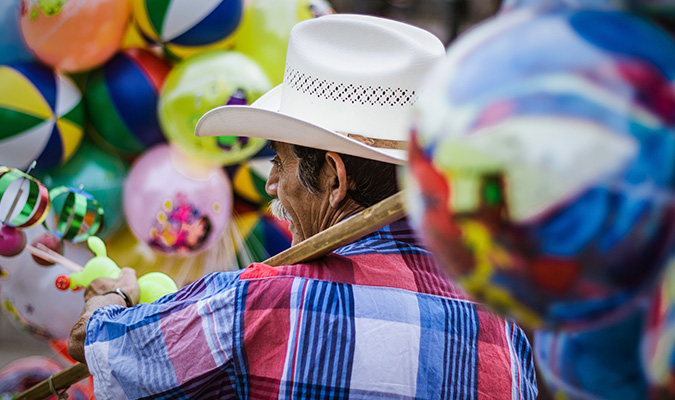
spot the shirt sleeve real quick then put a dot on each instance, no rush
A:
(151, 349)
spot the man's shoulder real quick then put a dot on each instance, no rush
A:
(415, 272)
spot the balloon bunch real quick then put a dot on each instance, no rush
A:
(105, 96)
(541, 171)
(93, 91)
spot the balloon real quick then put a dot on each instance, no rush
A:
(41, 116)
(249, 178)
(262, 236)
(658, 340)
(29, 297)
(176, 205)
(12, 48)
(541, 163)
(80, 36)
(659, 8)
(50, 241)
(121, 101)
(151, 286)
(12, 241)
(185, 27)
(22, 374)
(201, 83)
(602, 363)
(100, 174)
(128, 251)
(265, 29)
(133, 38)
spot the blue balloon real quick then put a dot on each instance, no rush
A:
(12, 47)
(599, 363)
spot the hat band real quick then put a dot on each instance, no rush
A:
(378, 143)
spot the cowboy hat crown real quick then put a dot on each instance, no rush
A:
(349, 83)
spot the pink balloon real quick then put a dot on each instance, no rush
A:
(175, 204)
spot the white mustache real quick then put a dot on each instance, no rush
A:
(279, 211)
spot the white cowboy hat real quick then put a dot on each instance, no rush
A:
(349, 84)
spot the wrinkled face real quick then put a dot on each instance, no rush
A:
(294, 202)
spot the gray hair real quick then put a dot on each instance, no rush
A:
(370, 181)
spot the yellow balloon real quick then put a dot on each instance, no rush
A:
(201, 83)
(266, 26)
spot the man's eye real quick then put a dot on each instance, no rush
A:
(276, 162)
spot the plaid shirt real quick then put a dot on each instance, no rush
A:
(375, 319)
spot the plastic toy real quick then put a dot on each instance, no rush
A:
(152, 286)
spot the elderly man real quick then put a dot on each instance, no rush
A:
(375, 318)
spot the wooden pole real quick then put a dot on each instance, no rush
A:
(355, 227)
(60, 381)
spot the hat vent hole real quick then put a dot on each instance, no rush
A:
(342, 92)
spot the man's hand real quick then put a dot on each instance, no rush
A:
(127, 282)
(94, 299)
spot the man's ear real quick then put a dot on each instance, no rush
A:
(337, 179)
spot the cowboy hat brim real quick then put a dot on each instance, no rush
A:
(263, 120)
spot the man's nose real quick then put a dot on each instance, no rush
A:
(271, 184)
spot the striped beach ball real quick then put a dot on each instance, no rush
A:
(41, 116)
(545, 184)
(262, 236)
(121, 101)
(249, 178)
(184, 25)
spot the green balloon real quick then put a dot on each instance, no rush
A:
(151, 286)
(201, 83)
(154, 285)
(100, 174)
(98, 267)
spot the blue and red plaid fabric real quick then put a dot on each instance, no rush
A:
(375, 319)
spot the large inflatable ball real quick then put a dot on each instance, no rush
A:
(658, 340)
(76, 35)
(176, 205)
(250, 177)
(186, 27)
(262, 236)
(542, 155)
(660, 8)
(203, 82)
(41, 116)
(594, 364)
(265, 29)
(121, 101)
(29, 298)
